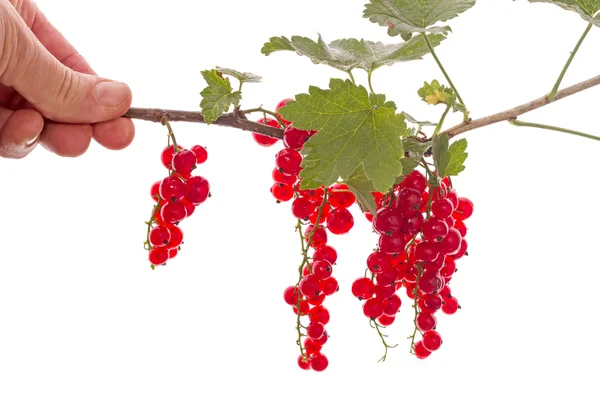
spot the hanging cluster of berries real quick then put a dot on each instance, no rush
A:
(318, 211)
(422, 234)
(176, 198)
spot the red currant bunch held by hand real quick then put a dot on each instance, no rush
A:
(176, 197)
(421, 235)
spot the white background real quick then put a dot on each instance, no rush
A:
(83, 317)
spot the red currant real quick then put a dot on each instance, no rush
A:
(159, 236)
(264, 140)
(340, 221)
(201, 154)
(288, 161)
(197, 190)
(158, 255)
(184, 162)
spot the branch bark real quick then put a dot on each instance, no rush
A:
(238, 119)
(513, 113)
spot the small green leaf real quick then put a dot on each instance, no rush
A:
(408, 16)
(240, 76)
(413, 120)
(217, 97)
(347, 54)
(354, 128)
(363, 189)
(435, 93)
(415, 150)
(457, 157)
(440, 151)
(408, 165)
(589, 10)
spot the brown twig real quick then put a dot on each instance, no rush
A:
(513, 113)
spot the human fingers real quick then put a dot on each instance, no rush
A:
(66, 140)
(19, 132)
(115, 134)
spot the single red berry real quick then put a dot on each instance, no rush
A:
(159, 236)
(445, 293)
(316, 239)
(392, 244)
(321, 269)
(319, 362)
(461, 227)
(304, 308)
(430, 282)
(340, 221)
(264, 140)
(158, 255)
(426, 321)
(392, 304)
(415, 180)
(426, 251)
(176, 236)
(304, 363)
(281, 104)
(197, 190)
(303, 207)
(384, 291)
(442, 208)
(201, 154)
(282, 178)
(386, 320)
(310, 286)
(173, 253)
(172, 188)
(167, 154)
(288, 161)
(432, 340)
(311, 347)
(408, 201)
(373, 308)
(329, 286)
(420, 351)
(450, 245)
(388, 221)
(319, 314)
(340, 196)
(154, 190)
(434, 229)
(413, 225)
(290, 295)
(450, 306)
(453, 197)
(189, 207)
(184, 162)
(315, 330)
(294, 138)
(464, 209)
(431, 302)
(323, 339)
(173, 212)
(378, 261)
(326, 253)
(462, 251)
(363, 288)
(387, 276)
(282, 192)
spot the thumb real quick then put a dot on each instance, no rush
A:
(57, 92)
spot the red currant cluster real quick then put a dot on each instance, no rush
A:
(176, 198)
(422, 232)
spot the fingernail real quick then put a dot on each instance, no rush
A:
(111, 94)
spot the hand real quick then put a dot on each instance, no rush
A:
(48, 92)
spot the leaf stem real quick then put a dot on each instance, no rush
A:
(438, 128)
(262, 110)
(351, 77)
(552, 94)
(553, 128)
(369, 80)
(439, 63)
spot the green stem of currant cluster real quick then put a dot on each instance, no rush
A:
(516, 122)
(305, 260)
(438, 128)
(439, 63)
(171, 135)
(378, 328)
(554, 90)
(262, 110)
(417, 312)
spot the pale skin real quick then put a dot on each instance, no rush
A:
(48, 92)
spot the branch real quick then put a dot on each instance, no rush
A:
(235, 119)
(513, 113)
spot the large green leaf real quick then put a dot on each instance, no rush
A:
(347, 54)
(354, 129)
(217, 97)
(587, 9)
(408, 16)
(363, 189)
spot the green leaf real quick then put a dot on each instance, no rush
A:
(408, 16)
(408, 165)
(363, 190)
(435, 93)
(217, 97)
(440, 150)
(347, 54)
(589, 10)
(415, 150)
(457, 157)
(354, 128)
(240, 76)
(413, 120)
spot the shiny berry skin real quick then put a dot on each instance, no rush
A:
(388, 221)
(326, 253)
(288, 161)
(420, 351)
(321, 269)
(415, 180)
(426, 251)
(329, 286)
(387, 276)
(442, 208)
(408, 201)
(340, 196)
(363, 288)
(430, 302)
(282, 192)
(450, 306)
(303, 207)
(378, 261)
(304, 308)
(432, 340)
(340, 221)
(319, 362)
(453, 197)
(461, 227)
(451, 243)
(173, 212)
(462, 251)
(464, 209)
(384, 291)
(311, 347)
(184, 162)
(294, 138)
(430, 282)
(282, 178)
(290, 295)
(154, 190)
(304, 363)
(413, 225)
(316, 300)
(373, 308)
(201, 154)
(434, 229)
(197, 190)
(310, 286)
(264, 140)
(167, 154)
(426, 321)
(445, 293)
(172, 188)
(315, 330)
(392, 304)
(173, 253)
(189, 207)
(158, 255)
(386, 320)
(318, 238)
(319, 314)
(176, 236)
(282, 103)
(392, 244)
(159, 236)
(324, 213)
